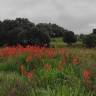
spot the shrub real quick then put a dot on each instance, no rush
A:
(69, 37)
(89, 40)
(94, 31)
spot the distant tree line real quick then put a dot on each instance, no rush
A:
(89, 40)
(22, 31)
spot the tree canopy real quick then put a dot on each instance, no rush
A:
(22, 31)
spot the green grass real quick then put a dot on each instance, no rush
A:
(52, 83)
(58, 43)
(68, 82)
(12, 84)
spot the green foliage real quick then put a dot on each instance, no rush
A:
(53, 29)
(11, 64)
(69, 37)
(90, 40)
(66, 82)
(94, 31)
(22, 31)
(40, 37)
(12, 84)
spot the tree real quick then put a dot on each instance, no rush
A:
(94, 31)
(41, 36)
(69, 37)
(57, 31)
(22, 31)
(53, 29)
(81, 37)
(89, 40)
(13, 37)
(1, 34)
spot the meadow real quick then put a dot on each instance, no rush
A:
(40, 71)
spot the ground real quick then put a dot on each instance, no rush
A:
(58, 71)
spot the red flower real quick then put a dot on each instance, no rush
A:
(62, 51)
(75, 61)
(59, 67)
(29, 58)
(63, 61)
(22, 69)
(86, 74)
(29, 75)
(47, 67)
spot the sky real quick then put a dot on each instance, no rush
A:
(76, 15)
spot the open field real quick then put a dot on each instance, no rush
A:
(34, 71)
(48, 48)
(58, 43)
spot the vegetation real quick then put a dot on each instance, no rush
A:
(36, 60)
(22, 31)
(69, 37)
(90, 40)
(35, 71)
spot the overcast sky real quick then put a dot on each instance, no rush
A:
(76, 15)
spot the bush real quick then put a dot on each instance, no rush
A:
(94, 31)
(69, 37)
(89, 40)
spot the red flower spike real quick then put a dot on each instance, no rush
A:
(22, 69)
(47, 67)
(75, 61)
(29, 58)
(86, 74)
(59, 67)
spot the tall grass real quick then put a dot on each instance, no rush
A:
(55, 75)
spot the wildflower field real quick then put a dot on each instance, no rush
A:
(40, 71)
